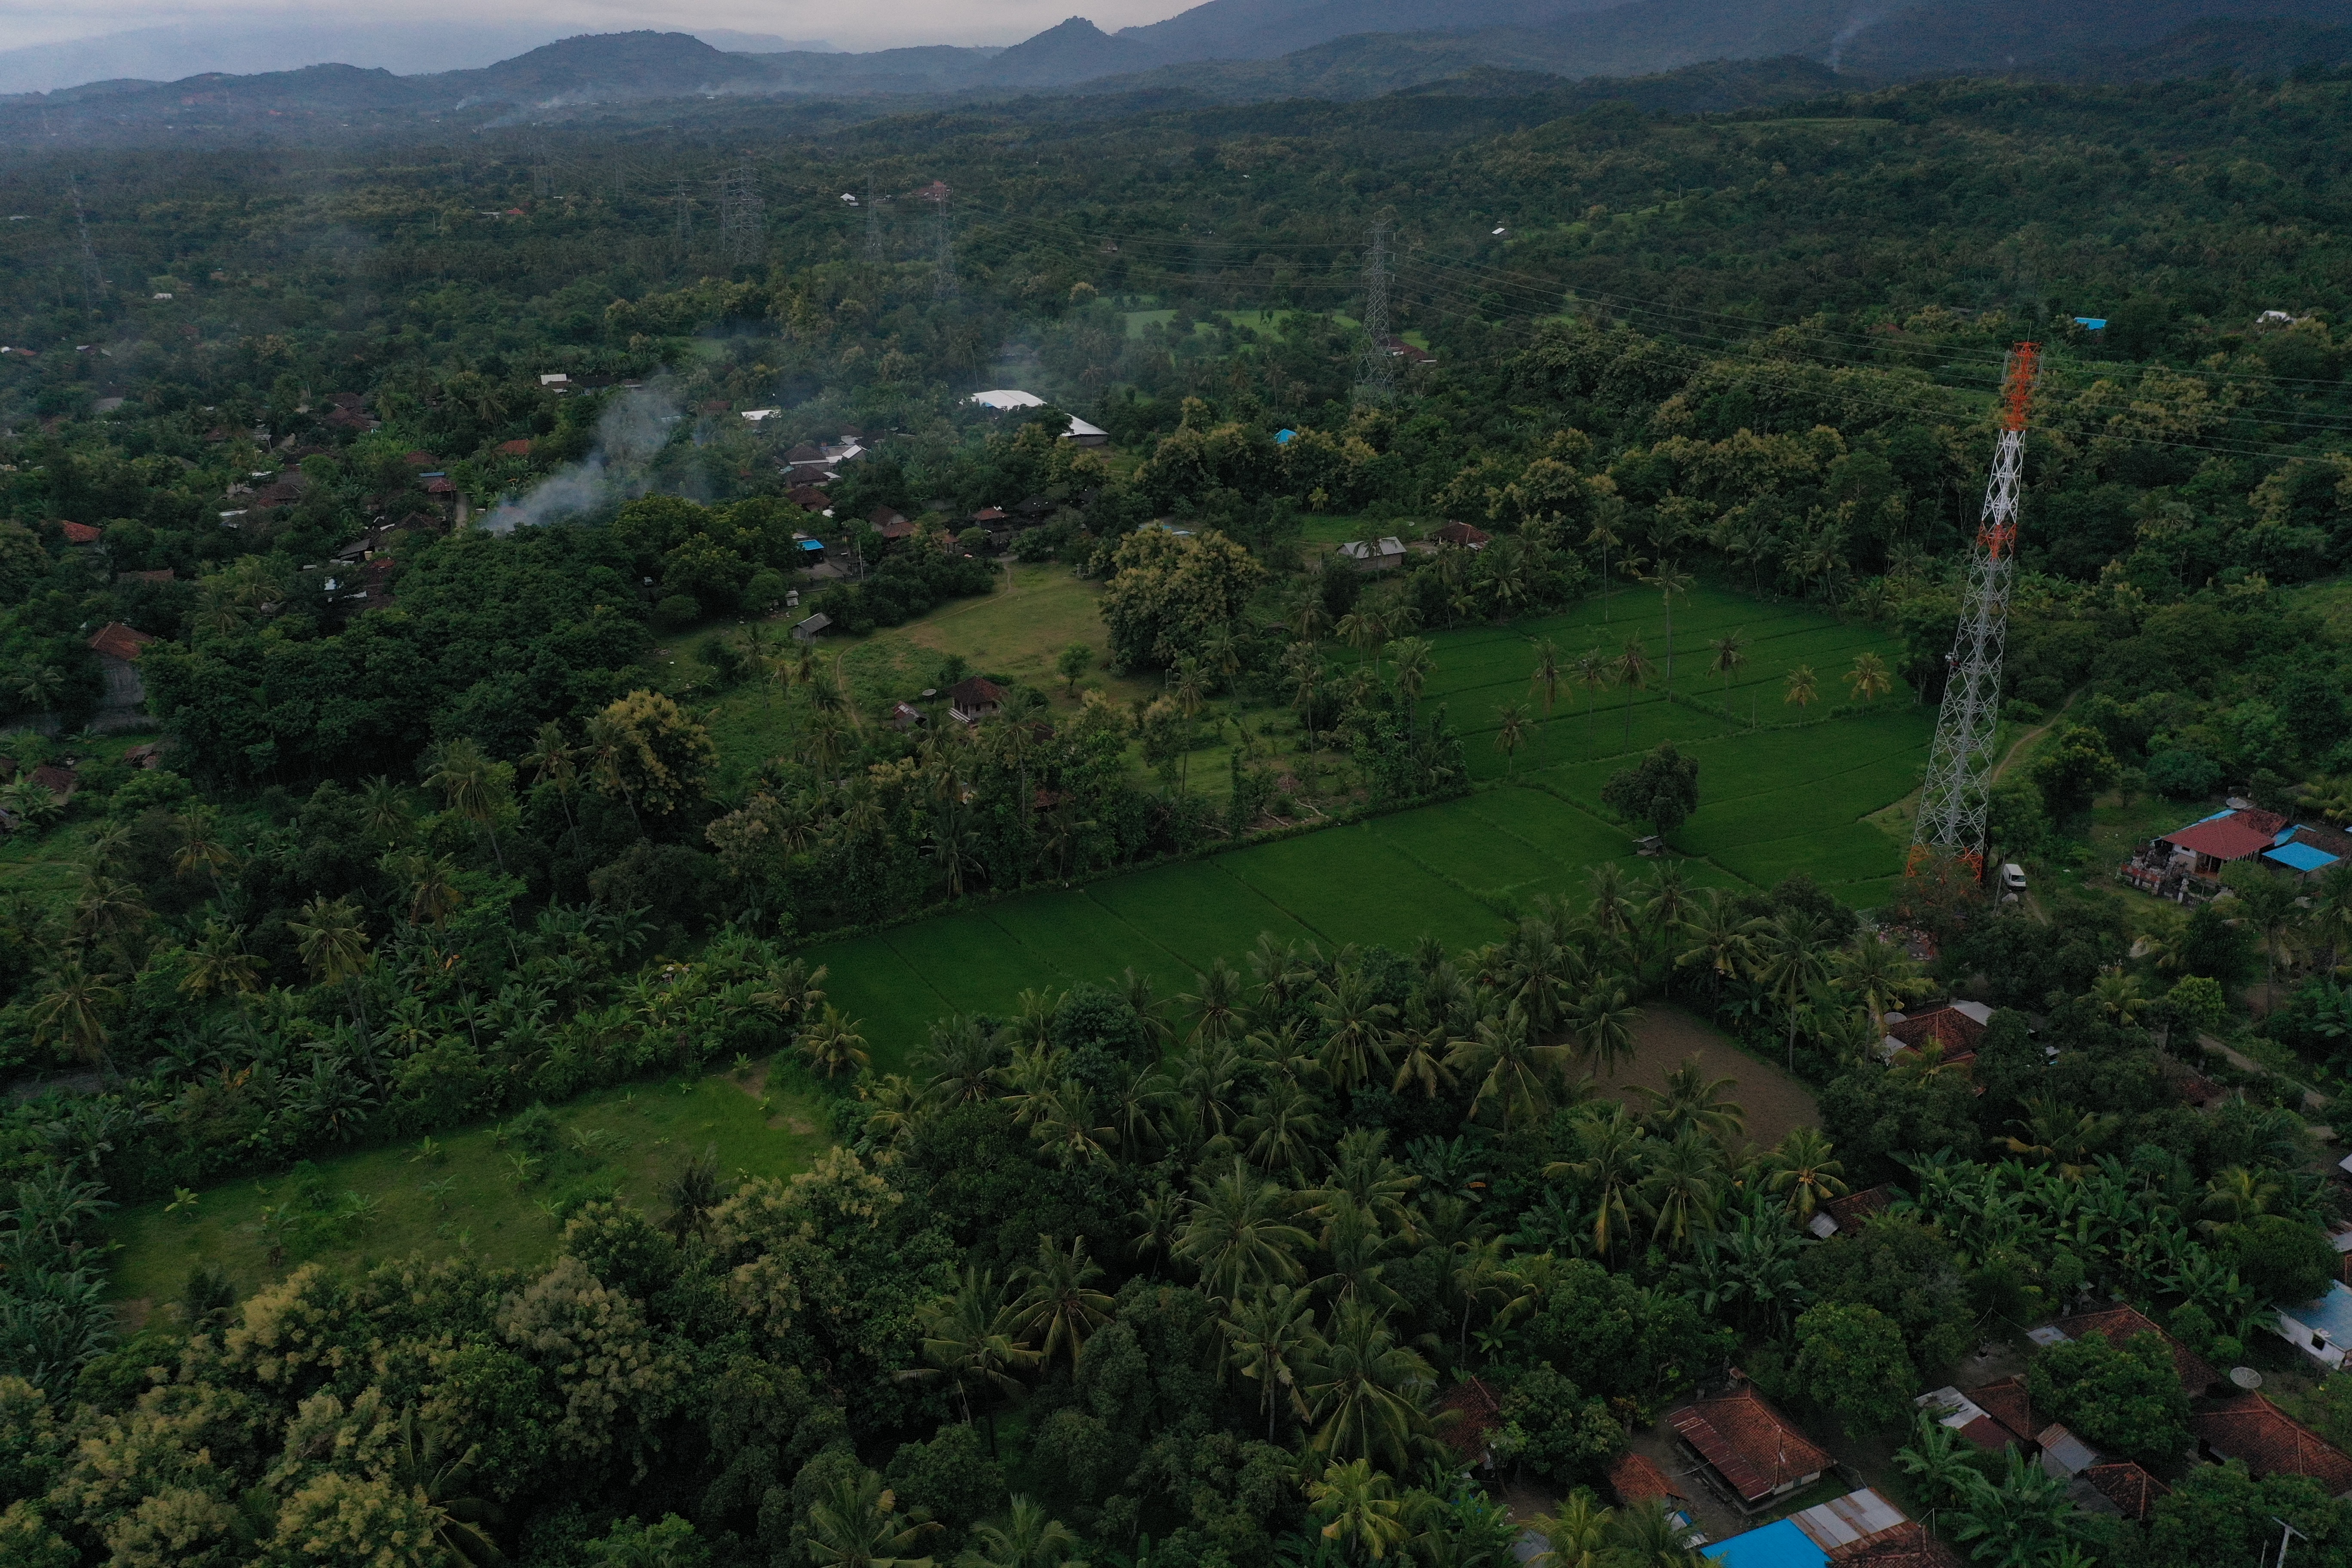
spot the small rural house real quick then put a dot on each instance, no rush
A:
(811, 628)
(2320, 1329)
(1081, 434)
(2269, 1442)
(1757, 1452)
(1462, 536)
(1374, 554)
(973, 700)
(118, 647)
(1845, 1216)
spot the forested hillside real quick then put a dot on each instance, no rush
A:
(400, 549)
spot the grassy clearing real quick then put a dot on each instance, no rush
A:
(629, 1142)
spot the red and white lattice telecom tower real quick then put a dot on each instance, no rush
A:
(1953, 803)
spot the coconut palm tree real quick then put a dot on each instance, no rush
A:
(1604, 1019)
(1801, 687)
(1593, 675)
(1682, 1191)
(1270, 1339)
(1365, 1392)
(1730, 654)
(1791, 965)
(1515, 1069)
(1239, 1233)
(1412, 659)
(1510, 734)
(200, 844)
(1029, 1538)
(471, 784)
(1879, 974)
(333, 944)
(551, 761)
(1059, 1306)
(856, 1523)
(972, 1338)
(1355, 1026)
(1645, 1534)
(1804, 1172)
(1216, 1007)
(1691, 1101)
(1669, 580)
(1613, 1160)
(1548, 672)
(219, 965)
(1722, 939)
(1282, 1128)
(1631, 668)
(832, 1044)
(1868, 680)
(1575, 1534)
(72, 1007)
(455, 1517)
(1360, 1510)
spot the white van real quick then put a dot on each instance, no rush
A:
(2012, 877)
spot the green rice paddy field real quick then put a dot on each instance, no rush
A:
(1775, 800)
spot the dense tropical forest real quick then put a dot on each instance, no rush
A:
(478, 771)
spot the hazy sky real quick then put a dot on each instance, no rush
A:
(876, 26)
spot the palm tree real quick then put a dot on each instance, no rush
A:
(1411, 656)
(1868, 680)
(1606, 1019)
(1646, 1535)
(1879, 974)
(1355, 1026)
(455, 1517)
(384, 809)
(1802, 1169)
(1422, 1062)
(1510, 733)
(1691, 1101)
(1270, 1339)
(1029, 1538)
(1722, 938)
(200, 844)
(832, 1044)
(551, 761)
(972, 1337)
(1802, 689)
(1631, 668)
(1364, 1391)
(1604, 536)
(72, 1009)
(1360, 1509)
(469, 782)
(1730, 653)
(1790, 962)
(1548, 672)
(333, 944)
(1060, 1305)
(219, 963)
(2058, 1135)
(1669, 580)
(1239, 1234)
(856, 1524)
(1216, 1006)
(1281, 1129)
(1514, 1069)
(1613, 1159)
(1576, 1534)
(1684, 1189)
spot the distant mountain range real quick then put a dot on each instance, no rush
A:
(1239, 50)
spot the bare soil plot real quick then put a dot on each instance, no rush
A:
(1776, 1103)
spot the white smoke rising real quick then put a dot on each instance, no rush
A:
(1863, 16)
(629, 435)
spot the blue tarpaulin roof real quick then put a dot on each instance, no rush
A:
(2331, 1314)
(2300, 857)
(2092, 322)
(1779, 1544)
(1285, 437)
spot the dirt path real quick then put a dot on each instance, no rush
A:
(1668, 1036)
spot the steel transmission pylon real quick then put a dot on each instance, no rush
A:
(93, 278)
(742, 230)
(943, 264)
(873, 226)
(1376, 383)
(1955, 799)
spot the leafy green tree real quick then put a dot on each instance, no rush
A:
(2073, 766)
(2282, 1260)
(1661, 790)
(2121, 1399)
(1850, 1360)
(1555, 1428)
(1167, 592)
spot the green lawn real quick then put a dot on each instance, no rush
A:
(635, 1141)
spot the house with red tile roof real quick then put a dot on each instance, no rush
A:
(1758, 1453)
(1955, 1025)
(1635, 1479)
(514, 449)
(78, 532)
(2124, 1487)
(2268, 1441)
(971, 700)
(1904, 1545)
(57, 779)
(118, 647)
(2010, 1407)
(1462, 536)
(2226, 836)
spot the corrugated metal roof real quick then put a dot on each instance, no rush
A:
(1842, 1521)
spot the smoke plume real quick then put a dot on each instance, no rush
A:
(631, 434)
